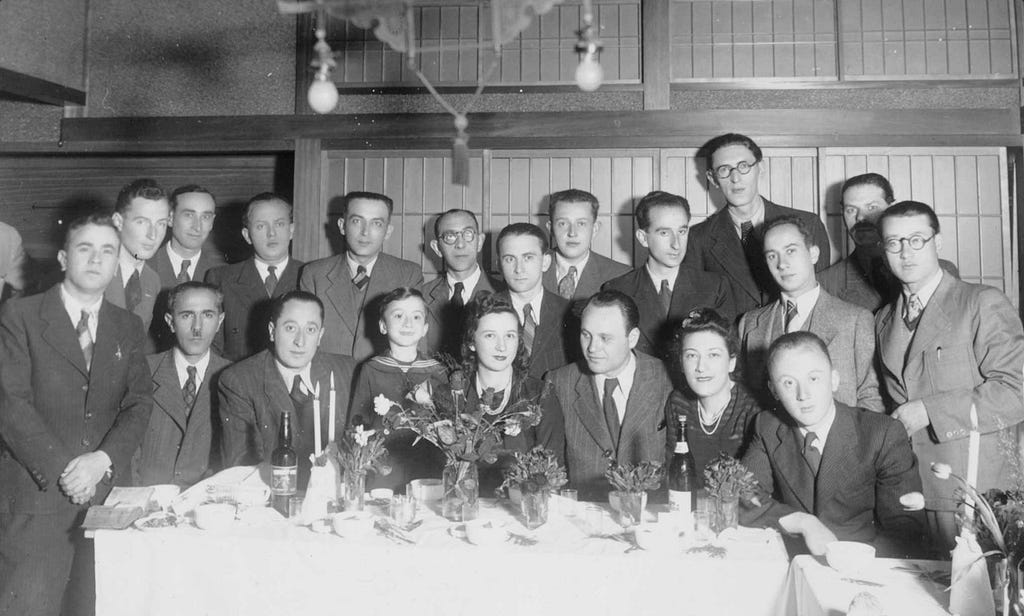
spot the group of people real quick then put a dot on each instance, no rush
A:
(837, 385)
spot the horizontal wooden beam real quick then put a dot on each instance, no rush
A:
(40, 90)
(605, 129)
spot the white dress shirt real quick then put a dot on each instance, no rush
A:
(262, 268)
(74, 309)
(288, 374)
(821, 434)
(804, 305)
(562, 267)
(128, 266)
(181, 366)
(671, 278)
(353, 265)
(534, 302)
(926, 292)
(176, 261)
(757, 219)
(467, 285)
(621, 393)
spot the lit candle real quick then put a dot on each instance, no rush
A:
(330, 411)
(316, 419)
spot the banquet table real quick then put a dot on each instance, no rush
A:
(576, 563)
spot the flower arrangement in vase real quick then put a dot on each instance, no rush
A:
(359, 451)
(535, 474)
(728, 482)
(631, 483)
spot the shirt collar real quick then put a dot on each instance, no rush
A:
(804, 303)
(127, 266)
(467, 285)
(181, 366)
(74, 309)
(534, 302)
(353, 265)
(262, 267)
(927, 290)
(757, 219)
(562, 266)
(822, 432)
(625, 377)
(288, 374)
(176, 261)
(657, 279)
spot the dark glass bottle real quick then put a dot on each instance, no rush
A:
(284, 467)
(682, 474)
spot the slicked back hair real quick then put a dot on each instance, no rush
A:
(145, 188)
(657, 198)
(572, 195)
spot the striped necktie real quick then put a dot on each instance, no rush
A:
(914, 309)
(567, 285)
(791, 313)
(183, 276)
(360, 279)
(271, 281)
(529, 327)
(189, 390)
(85, 338)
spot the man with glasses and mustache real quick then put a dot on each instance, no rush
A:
(457, 242)
(729, 241)
(863, 278)
(951, 358)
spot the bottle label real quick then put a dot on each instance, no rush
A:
(682, 447)
(680, 501)
(284, 480)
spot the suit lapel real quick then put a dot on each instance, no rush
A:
(792, 467)
(107, 351)
(114, 293)
(840, 448)
(820, 322)
(339, 293)
(166, 393)
(586, 408)
(649, 305)
(641, 404)
(275, 391)
(546, 323)
(59, 332)
(726, 249)
(250, 284)
(934, 321)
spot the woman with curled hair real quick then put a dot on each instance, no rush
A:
(719, 410)
(495, 363)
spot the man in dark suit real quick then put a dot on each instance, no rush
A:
(863, 278)
(458, 241)
(548, 327)
(577, 271)
(613, 403)
(184, 257)
(74, 400)
(250, 286)
(253, 392)
(830, 471)
(846, 329)
(948, 349)
(665, 288)
(141, 214)
(178, 442)
(352, 284)
(729, 241)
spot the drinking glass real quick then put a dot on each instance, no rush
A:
(572, 495)
(702, 525)
(403, 510)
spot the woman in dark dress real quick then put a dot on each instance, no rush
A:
(719, 411)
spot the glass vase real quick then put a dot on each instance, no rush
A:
(461, 483)
(727, 513)
(631, 507)
(534, 506)
(355, 489)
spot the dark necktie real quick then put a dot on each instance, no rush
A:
(529, 328)
(567, 285)
(133, 291)
(811, 454)
(914, 310)
(298, 396)
(665, 297)
(746, 233)
(271, 281)
(457, 294)
(189, 390)
(183, 274)
(85, 338)
(790, 314)
(611, 414)
(360, 279)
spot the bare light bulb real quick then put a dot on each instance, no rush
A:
(589, 73)
(323, 94)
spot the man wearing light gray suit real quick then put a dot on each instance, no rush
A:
(613, 403)
(352, 284)
(846, 329)
(141, 214)
(947, 346)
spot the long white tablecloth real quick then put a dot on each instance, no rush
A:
(284, 569)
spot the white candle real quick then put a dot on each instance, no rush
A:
(330, 412)
(316, 419)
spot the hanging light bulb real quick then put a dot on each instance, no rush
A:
(323, 94)
(589, 73)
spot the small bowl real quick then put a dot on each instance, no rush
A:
(849, 557)
(382, 494)
(486, 532)
(657, 537)
(215, 516)
(427, 490)
(352, 523)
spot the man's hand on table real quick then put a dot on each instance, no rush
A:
(816, 535)
(83, 474)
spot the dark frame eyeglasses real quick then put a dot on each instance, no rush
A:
(723, 172)
(894, 245)
(451, 237)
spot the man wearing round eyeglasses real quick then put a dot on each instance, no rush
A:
(457, 242)
(947, 347)
(729, 241)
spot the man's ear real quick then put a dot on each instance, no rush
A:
(641, 236)
(245, 236)
(118, 220)
(815, 254)
(170, 321)
(835, 381)
(436, 248)
(545, 262)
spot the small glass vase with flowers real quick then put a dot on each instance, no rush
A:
(728, 482)
(359, 451)
(535, 474)
(631, 482)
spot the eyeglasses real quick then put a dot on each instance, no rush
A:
(725, 171)
(450, 237)
(895, 244)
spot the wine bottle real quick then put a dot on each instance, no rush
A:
(284, 467)
(682, 476)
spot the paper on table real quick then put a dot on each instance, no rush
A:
(244, 484)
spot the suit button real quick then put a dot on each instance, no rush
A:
(88, 415)
(85, 388)
(85, 442)
(949, 435)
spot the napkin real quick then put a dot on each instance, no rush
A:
(971, 593)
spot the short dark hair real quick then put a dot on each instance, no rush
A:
(277, 306)
(869, 179)
(728, 139)
(482, 305)
(796, 340)
(572, 195)
(440, 217)
(369, 196)
(146, 188)
(617, 299)
(705, 320)
(262, 198)
(186, 189)
(397, 295)
(657, 198)
(796, 221)
(910, 208)
(175, 294)
(523, 228)
(100, 220)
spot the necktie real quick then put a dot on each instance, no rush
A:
(133, 291)
(183, 274)
(189, 390)
(298, 396)
(914, 310)
(85, 338)
(529, 327)
(611, 414)
(567, 285)
(360, 279)
(665, 296)
(457, 294)
(790, 315)
(811, 454)
(746, 232)
(271, 282)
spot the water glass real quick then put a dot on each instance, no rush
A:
(568, 494)
(295, 506)
(702, 525)
(403, 510)
(595, 517)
